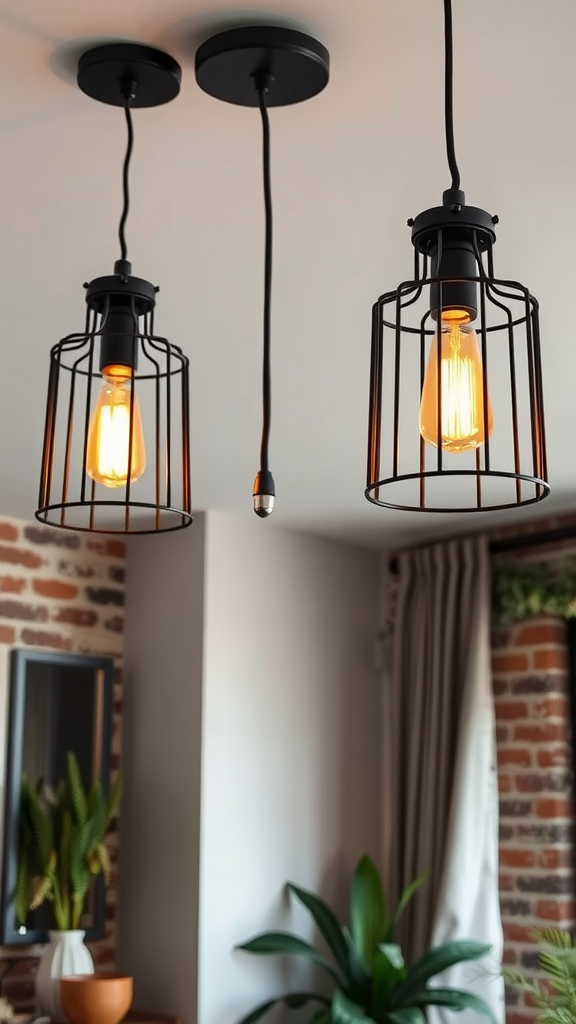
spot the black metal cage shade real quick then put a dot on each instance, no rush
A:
(505, 466)
(154, 410)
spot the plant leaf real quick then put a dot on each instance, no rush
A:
(293, 1000)
(406, 897)
(322, 1017)
(77, 793)
(454, 999)
(388, 970)
(113, 800)
(359, 974)
(270, 943)
(368, 916)
(435, 962)
(344, 1011)
(409, 1015)
(327, 923)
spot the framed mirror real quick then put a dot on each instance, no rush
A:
(58, 703)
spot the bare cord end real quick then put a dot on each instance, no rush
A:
(263, 494)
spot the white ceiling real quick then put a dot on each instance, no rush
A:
(349, 168)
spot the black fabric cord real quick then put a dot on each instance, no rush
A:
(266, 382)
(125, 179)
(449, 94)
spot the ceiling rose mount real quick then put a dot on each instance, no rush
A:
(263, 66)
(228, 64)
(104, 71)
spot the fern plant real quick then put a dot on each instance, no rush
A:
(62, 847)
(555, 997)
(370, 982)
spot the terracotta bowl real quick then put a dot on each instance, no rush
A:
(96, 998)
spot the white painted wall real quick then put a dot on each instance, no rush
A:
(270, 634)
(290, 760)
(158, 898)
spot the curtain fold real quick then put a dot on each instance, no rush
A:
(444, 782)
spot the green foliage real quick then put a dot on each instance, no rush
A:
(556, 998)
(370, 982)
(62, 844)
(520, 590)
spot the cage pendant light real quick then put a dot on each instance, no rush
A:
(116, 455)
(456, 416)
(263, 66)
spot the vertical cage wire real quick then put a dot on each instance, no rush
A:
(160, 500)
(508, 468)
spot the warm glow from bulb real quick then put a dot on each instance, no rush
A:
(109, 460)
(462, 380)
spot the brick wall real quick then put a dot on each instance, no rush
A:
(535, 758)
(61, 591)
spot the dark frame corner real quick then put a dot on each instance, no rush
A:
(10, 934)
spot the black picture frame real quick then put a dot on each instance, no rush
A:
(11, 933)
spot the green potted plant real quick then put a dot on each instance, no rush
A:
(62, 849)
(369, 980)
(555, 997)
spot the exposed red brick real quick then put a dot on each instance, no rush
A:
(504, 784)
(58, 538)
(534, 782)
(510, 957)
(552, 860)
(56, 589)
(115, 624)
(517, 932)
(513, 756)
(555, 910)
(559, 757)
(515, 1017)
(10, 609)
(553, 707)
(507, 883)
(554, 809)
(552, 632)
(510, 710)
(109, 548)
(548, 733)
(39, 638)
(509, 663)
(8, 531)
(500, 638)
(517, 858)
(551, 658)
(76, 617)
(105, 595)
(7, 635)
(500, 686)
(502, 734)
(11, 585)
(20, 556)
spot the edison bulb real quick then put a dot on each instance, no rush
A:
(462, 388)
(109, 460)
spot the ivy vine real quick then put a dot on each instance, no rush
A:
(521, 590)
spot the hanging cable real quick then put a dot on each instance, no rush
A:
(263, 491)
(449, 96)
(128, 94)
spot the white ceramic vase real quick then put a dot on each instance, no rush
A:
(65, 955)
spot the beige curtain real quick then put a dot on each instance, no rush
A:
(441, 656)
